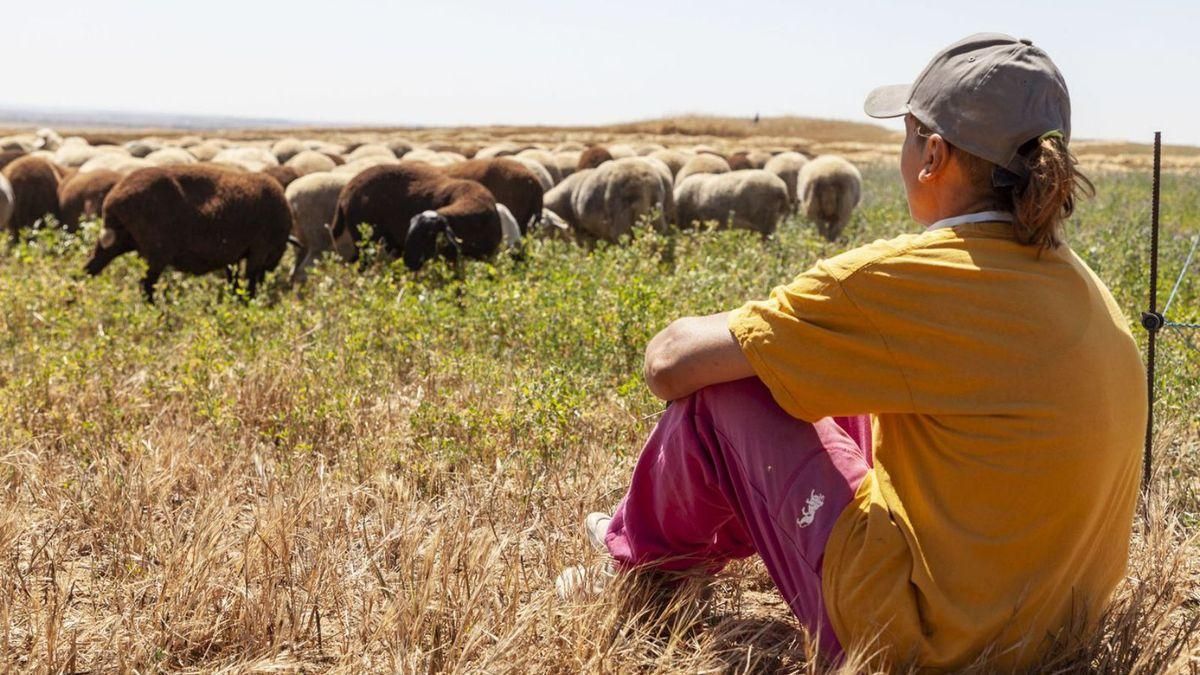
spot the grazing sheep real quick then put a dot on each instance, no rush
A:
(739, 161)
(370, 150)
(554, 227)
(310, 161)
(707, 150)
(24, 143)
(34, 183)
(593, 157)
(284, 175)
(566, 162)
(751, 199)
(143, 147)
(197, 219)
(498, 150)
(287, 148)
(702, 163)
(248, 158)
(81, 197)
(399, 147)
(355, 167)
(122, 164)
(621, 151)
(313, 199)
(48, 139)
(509, 182)
(674, 159)
(170, 157)
(6, 201)
(540, 172)
(205, 152)
(787, 166)
(442, 146)
(546, 159)
(607, 202)
(509, 228)
(410, 206)
(758, 158)
(74, 155)
(427, 155)
(570, 146)
(649, 148)
(829, 189)
(9, 156)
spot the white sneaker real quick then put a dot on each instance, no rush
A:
(596, 525)
(580, 580)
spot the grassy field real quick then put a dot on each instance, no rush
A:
(382, 471)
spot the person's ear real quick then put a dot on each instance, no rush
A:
(934, 158)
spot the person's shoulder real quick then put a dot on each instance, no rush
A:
(883, 252)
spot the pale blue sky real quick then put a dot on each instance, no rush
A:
(1132, 67)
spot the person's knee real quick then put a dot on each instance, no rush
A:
(735, 397)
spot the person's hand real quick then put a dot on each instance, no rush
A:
(693, 353)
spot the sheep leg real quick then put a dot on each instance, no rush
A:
(304, 258)
(148, 281)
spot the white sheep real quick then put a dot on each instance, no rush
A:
(310, 161)
(752, 199)
(566, 162)
(142, 147)
(675, 159)
(829, 188)
(787, 166)
(370, 150)
(607, 202)
(621, 151)
(122, 164)
(170, 157)
(702, 163)
(287, 148)
(361, 164)
(313, 199)
(48, 139)
(74, 155)
(546, 159)
(205, 152)
(508, 226)
(539, 172)
(246, 157)
(6, 202)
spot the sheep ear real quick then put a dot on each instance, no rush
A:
(107, 238)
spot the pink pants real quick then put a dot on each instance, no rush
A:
(728, 473)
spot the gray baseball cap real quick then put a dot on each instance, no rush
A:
(988, 94)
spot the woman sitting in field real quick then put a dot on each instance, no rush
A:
(933, 441)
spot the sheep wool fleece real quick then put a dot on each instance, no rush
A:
(1009, 407)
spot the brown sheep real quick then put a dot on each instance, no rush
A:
(593, 157)
(409, 206)
(196, 218)
(510, 183)
(740, 161)
(9, 156)
(82, 195)
(35, 192)
(284, 175)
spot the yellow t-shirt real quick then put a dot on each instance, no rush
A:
(1009, 406)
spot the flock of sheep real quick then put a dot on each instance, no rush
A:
(199, 205)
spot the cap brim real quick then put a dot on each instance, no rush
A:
(888, 101)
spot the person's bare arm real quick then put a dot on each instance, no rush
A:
(693, 353)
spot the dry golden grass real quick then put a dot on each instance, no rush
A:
(184, 492)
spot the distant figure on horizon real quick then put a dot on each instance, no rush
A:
(756, 118)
